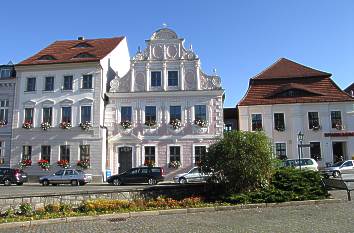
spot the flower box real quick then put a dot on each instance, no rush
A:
(27, 125)
(280, 128)
(63, 163)
(150, 123)
(44, 164)
(65, 125)
(46, 125)
(176, 124)
(25, 163)
(201, 123)
(84, 164)
(126, 124)
(85, 125)
(3, 123)
(174, 164)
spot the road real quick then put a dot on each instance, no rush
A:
(30, 189)
(334, 217)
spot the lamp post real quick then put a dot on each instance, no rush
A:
(300, 139)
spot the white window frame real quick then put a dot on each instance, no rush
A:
(61, 113)
(26, 85)
(86, 105)
(255, 113)
(161, 80)
(275, 148)
(63, 81)
(44, 82)
(180, 151)
(82, 82)
(321, 148)
(207, 117)
(330, 117)
(50, 156)
(308, 120)
(183, 109)
(178, 80)
(194, 146)
(273, 123)
(156, 153)
(5, 108)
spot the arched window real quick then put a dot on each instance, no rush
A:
(83, 45)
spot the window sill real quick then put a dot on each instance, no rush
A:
(30, 92)
(47, 91)
(86, 89)
(67, 90)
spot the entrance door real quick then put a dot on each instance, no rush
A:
(124, 158)
(339, 151)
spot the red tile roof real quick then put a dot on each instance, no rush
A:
(315, 86)
(65, 51)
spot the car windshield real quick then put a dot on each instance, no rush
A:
(337, 164)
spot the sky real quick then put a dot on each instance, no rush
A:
(237, 38)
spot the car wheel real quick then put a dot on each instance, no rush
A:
(152, 181)
(7, 182)
(117, 182)
(182, 180)
(45, 182)
(74, 183)
(336, 174)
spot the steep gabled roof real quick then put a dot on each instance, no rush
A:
(284, 68)
(67, 51)
(315, 86)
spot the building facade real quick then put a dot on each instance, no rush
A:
(7, 94)
(230, 119)
(287, 98)
(165, 111)
(60, 103)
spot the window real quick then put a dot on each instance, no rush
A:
(60, 173)
(85, 55)
(47, 58)
(4, 111)
(149, 154)
(66, 114)
(315, 150)
(257, 122)
(172, 78)
(199, 152)
(49, 84)
(45, 153)
(84, 152)
(200, 112)
(31, 84)
(87, 81)
(175, 153)
(85, 114)
(65, 153)
(175, 113)
(126, 114)
(336, 119)
(228, 127)
(150, 113)
(68, 83)
(27, 152)
(279, 121)
(314, 122)
(29, 115)
(83, 45)
(5, 73)
(155, 78)
(47, 115)
(280, 151)
(2, 152)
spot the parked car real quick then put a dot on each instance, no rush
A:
(10, 176)
(195, 175)
(66, 176)
(150, 175)
(336, 169)
(306, 163)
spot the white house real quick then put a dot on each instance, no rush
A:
(60, 103)
(287, 98)
(165, 110)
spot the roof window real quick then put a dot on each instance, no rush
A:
(47, 58)
(85, 55)
(83, 45)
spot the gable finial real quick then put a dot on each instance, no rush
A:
(191, 47)
(214, 71)
(164, 25)
(139, 50)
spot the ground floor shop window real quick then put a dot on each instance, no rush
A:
(27, 153)
(149, 156)
(65, 153)
(175, 153)
(45, 153)
(199, 153)
(315, 150)
(84, 152)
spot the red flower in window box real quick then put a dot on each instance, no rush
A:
(27, 125)
(84, 164)
(65, 125)
(25, 163)
(63, 163)
(44, 164)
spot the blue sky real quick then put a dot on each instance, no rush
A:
(238, 38)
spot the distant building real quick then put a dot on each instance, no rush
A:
(7, 94)
(287, 98)
(166, 110)
(350, 90)
(60, 103)
(230, 119)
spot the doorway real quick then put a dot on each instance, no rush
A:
(339, 151)
(125, 158)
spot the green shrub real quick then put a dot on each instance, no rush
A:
(26, 209)
(241, 161)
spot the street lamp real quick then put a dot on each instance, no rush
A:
(300, 138)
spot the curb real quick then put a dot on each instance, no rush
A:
(167, 212)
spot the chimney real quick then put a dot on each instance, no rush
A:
(80, 38)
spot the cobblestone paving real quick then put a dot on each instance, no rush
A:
(315, 218)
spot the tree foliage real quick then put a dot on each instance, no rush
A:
(240, 161)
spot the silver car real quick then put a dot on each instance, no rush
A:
(195, 175)
(336, 169)
(66, 176)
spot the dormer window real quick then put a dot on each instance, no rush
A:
(47, 58)
(85, 55)
(83, 45)
(5, 73)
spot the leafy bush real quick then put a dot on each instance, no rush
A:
(26, 209)
(241, 161)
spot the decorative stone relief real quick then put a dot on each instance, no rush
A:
(157, 52)
(139, 84)
(121, 84)
(172, 51)
(209, 82)
(190, 80)
(164, 34)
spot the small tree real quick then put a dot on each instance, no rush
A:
(242, 161)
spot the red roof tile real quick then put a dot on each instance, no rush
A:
(285, 68)
(65, 51)
(316, 86)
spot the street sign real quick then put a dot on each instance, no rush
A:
(304, 145)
